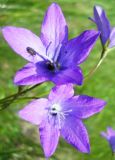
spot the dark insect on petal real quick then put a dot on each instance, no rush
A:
(31, 51)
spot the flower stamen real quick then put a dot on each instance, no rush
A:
(48, 48)
(32, 52)
(56, 115)
(57, 51)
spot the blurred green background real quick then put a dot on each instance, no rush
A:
(19, 140)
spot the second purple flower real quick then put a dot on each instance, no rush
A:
(61, 115)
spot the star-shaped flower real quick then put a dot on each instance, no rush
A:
(61, 115)
(107, 32)
(52, 57)
(110, 137)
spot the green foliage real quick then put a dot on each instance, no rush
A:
(19, 140)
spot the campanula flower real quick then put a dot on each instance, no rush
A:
(107, 32)
(110, 137)
(52, 57)
(61, 115)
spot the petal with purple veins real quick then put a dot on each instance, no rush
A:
(77, 49)
(49, 137)
(20, 38)
(35, 112)
(75, 133)
(54, 29)
(61, 92)
(84, 106)
(29, 75)
(69, 75)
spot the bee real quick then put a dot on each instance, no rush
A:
(31, 51)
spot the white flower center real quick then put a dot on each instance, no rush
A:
(56, 115)
(55, 109)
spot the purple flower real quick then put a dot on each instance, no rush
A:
(61, 115)
(52, 56)
(110, 137)
(107, 32)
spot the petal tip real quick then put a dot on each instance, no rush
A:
(81, 81)
(104, 103)
(87, 149)
(15, 82)
(97, 7)
(6, 29)
(54, 4)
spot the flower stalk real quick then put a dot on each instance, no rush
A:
(5, 102)
(94, 69)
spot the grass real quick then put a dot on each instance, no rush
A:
(19, 140)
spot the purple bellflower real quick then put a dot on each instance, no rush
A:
(110, 137)
(52, 57)
(107, 32)
(61, 115)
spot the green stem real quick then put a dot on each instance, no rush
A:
(28, 98)
(5, 102)
(33, 97)
(16, 95)
(93, 70)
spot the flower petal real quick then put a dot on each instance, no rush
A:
(61, 92)
(84, 106)
(110, 137)
(28, 75)
(20, 38)
(61, 76)
(54, 28)
(75, 133)
(78, 49)
(112, 38)
(69, 75)
(110, 131)
(37, 73)
(102, 23)
(103, 134)
(49, 137)
(35, 112)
